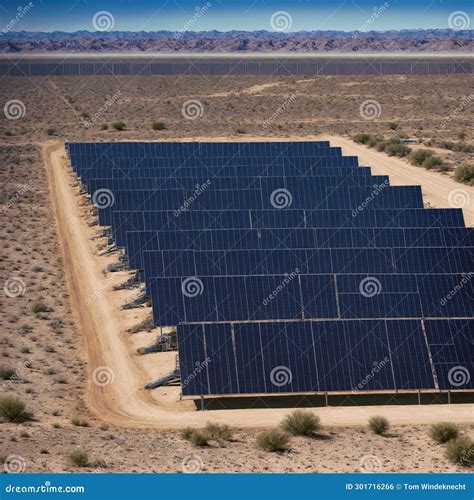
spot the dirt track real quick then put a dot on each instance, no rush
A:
(124, 402)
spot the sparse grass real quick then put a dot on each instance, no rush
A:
(79, 422)
(418, 156)
(461, 451)
(79, 458)
(273, 440)
(104, 126)
(24, 434)
(119, 125)
(50, 131)
(6, 373)
(186, 433)
(301, 423)
(219, 432)
(199, 438)
(39, 307)
(444, 432)
(158, 126)
(12, 409)
(379, 425)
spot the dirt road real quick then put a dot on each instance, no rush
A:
(123, 402)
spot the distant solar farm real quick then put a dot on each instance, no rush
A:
(285, 267)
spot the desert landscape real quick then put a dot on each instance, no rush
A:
(67, 321)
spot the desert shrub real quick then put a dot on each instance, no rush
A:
(39, 307)
(186, 433)
(432, 162)
(444, 432)
(393, 126)
(158, 126)
(50, 131)
(79, 458)
(13, 409)
(199, 438)
(240, 131)
(380, 145)
(6, 373)
(219, 431)
(119, 125)
(397, 149)
(273, 440)
(301, 423)
(464, 173)
(361, 138)
(24, 434)
(418, 156)
(104, 126)
(79, 422)
(379, 425)
(461, 451)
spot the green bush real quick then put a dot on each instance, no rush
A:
(393, 126)
(444, 432)
(464, 173)
(273, 440)
(397, 149)
(361, 138)
(13, 409)
(379, 425)
(104, 126)
(199, 438)
(39, 307)
(186, 433)
(219, 432)
(432, 162)
(79, 458)
(418, 156)
(50, 131)
(119, 125)
(461, 451)
(79, 423)
(6, 373)
(301, 423)
(158, 126)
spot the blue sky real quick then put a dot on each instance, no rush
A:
(224, 15)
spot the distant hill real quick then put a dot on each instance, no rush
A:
(435, 40)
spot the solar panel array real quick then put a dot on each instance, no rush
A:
(287, 267)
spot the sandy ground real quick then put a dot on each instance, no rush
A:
(123, 402)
